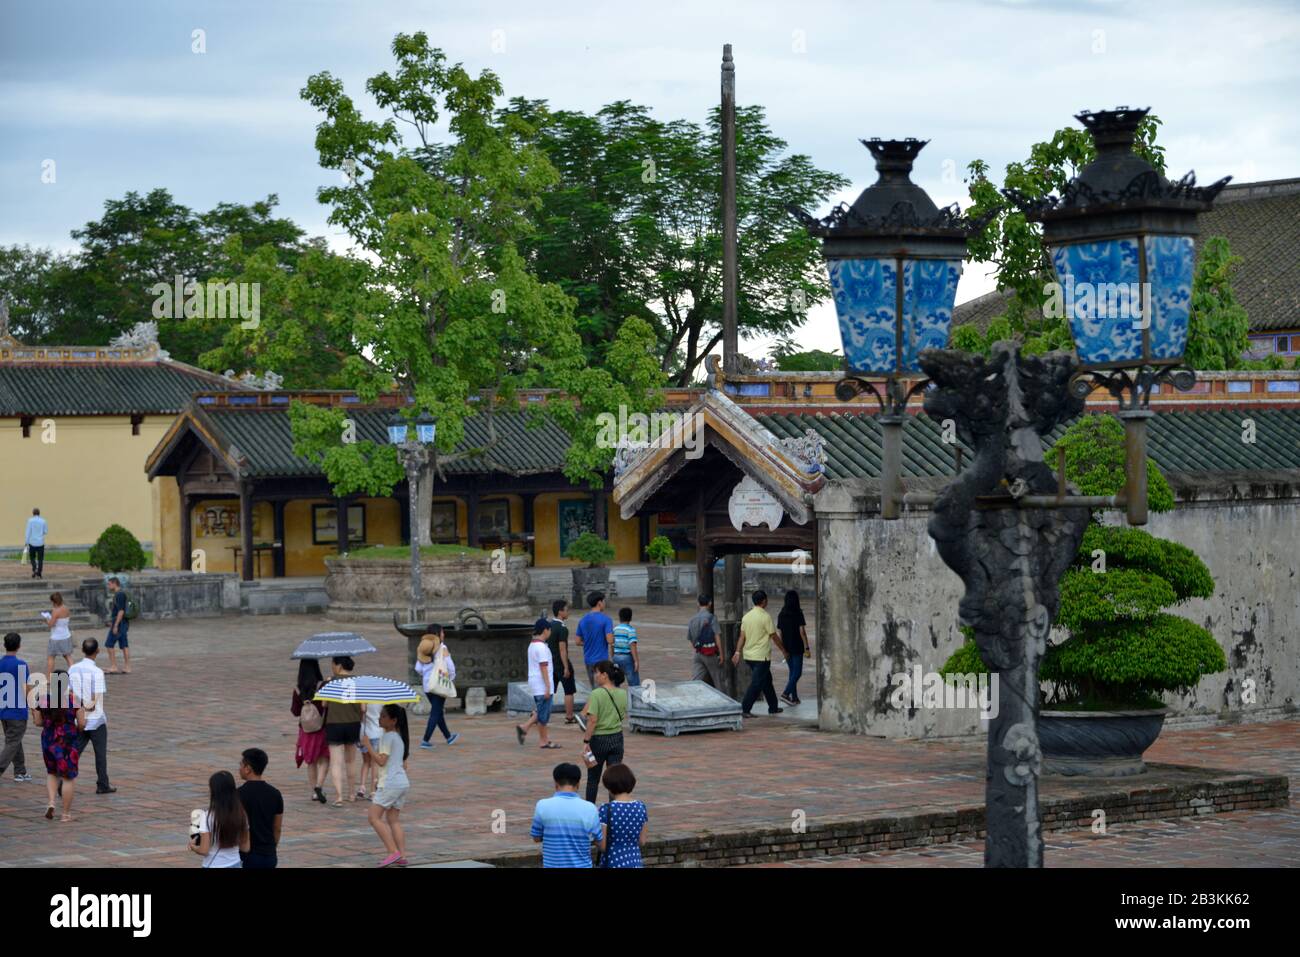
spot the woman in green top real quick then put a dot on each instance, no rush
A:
(606, 709)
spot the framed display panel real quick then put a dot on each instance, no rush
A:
(325, 524)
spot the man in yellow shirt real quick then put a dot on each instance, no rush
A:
(757, 636)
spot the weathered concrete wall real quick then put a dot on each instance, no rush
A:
(889, 604)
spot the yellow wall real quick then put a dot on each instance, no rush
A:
(623, 533)
(89, 477)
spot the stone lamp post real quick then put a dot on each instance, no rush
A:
(415, 455)
(1120, 237)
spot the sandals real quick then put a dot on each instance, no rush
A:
(49, 813)
(338, 804)
(521, 734)
(550, 746)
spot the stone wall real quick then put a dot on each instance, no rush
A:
(888, 604)
(168, 595)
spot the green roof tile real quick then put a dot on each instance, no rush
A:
(102, 388)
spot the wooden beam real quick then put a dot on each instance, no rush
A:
(187, 532)
(246, 530)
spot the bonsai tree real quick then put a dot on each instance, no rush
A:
(117, 551)
(1122, 648)
(590, 548)
(660, 551)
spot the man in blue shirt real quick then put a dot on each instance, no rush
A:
(14, 689)
(34, 539)
(595, 633)
(566, 825)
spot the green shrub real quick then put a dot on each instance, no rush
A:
(1094, 461)
(660, 550)
(117, 551)
(590, 548)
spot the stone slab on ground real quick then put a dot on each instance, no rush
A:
(677, 706)
(519, 700)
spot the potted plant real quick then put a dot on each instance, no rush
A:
(594, 551)
(661, 575)
(1102, 707)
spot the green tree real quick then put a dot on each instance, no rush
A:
(633, 226)
(453, 318)
(1217, 326)
(790, 358)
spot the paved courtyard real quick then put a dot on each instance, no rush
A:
(205, 689)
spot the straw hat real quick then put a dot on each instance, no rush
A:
(428, 647)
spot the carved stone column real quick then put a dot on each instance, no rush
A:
(1009, 557)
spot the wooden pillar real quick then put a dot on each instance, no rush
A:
(341, 511)
(598, 506)
(471, 519)
(187, 533)
(530, 525)
(642, 536)
(277, 556)
(246, 531)
(735, 678)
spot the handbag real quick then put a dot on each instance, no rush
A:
(438, 680)
(25, 557)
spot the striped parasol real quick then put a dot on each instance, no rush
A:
(367, 689)
(334, 644)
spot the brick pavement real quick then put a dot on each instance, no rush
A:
(205, 689)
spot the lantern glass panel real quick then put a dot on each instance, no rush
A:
(397, 433)
(866, 300)
(425, 432)
(1102, 298)
(929, 291)
(1169, 271)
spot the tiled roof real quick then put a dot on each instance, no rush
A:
(264, 437)
(1261, 222)
(102, 388)
(1179, 441)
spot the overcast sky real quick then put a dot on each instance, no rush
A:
(113, 93)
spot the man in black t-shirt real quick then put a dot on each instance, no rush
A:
(265, 809)
(558, 642)
(118, 627)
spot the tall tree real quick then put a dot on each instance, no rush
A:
(453, 319)
(1217, 326)
(633, 226)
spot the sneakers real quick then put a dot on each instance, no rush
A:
(22, 778)
(108, 790)
(775, 710)
(788, 700)
(426, 745)
(390, 860)
(454, 738)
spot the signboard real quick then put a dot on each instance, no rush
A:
(751, 504)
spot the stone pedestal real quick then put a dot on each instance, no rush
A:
(363, 589)
(671, 707)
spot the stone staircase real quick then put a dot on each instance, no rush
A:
(21, 604)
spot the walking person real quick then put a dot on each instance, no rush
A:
(595, 633)
(558, 642)
(264, 808)
(342, 732)
(223, 828)
(386, 809)
(61, 720)
(794, 638)
(367, 747)
(541, 687)
(118, 625)
(433, 659)
(14, 673)
(705, 636)
(87, 681)
(606, 709)
(564, 824)
(626, 655)
(312, 749)
(34, 541)
(623, 820)
(60, 637)
(757, 636)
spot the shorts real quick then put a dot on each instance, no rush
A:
(372, 745)
(543, 706)
(343, 733)
(390, 797)
(118, 640)
(568, 682)
(59, 646)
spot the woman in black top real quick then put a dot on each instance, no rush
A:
(794, 636)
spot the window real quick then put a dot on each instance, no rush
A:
(1240, 385)
(1283, 385)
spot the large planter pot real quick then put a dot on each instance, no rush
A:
(362, 589)
(1107, 744)
(662, 585)
(586, 581)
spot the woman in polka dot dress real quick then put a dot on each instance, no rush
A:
(622, 819)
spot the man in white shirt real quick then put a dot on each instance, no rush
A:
(87, 682)
(541, 682)
(34, 539)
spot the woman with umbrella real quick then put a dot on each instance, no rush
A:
(312, 750)
(343, 732)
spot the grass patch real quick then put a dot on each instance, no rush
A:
(76, 558)
(440, 550)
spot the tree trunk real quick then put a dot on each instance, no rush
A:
(421, 521)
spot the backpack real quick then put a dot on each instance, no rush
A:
(132, 610)
(706, 643)
(311, 719)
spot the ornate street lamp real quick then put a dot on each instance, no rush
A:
(1121, 238)
(894, 259)
(414, 454)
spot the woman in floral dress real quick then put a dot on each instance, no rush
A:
(61, 720)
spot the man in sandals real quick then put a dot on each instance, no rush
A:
(542, 686)
(558, 642)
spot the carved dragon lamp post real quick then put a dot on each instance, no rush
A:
(1006, 525)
